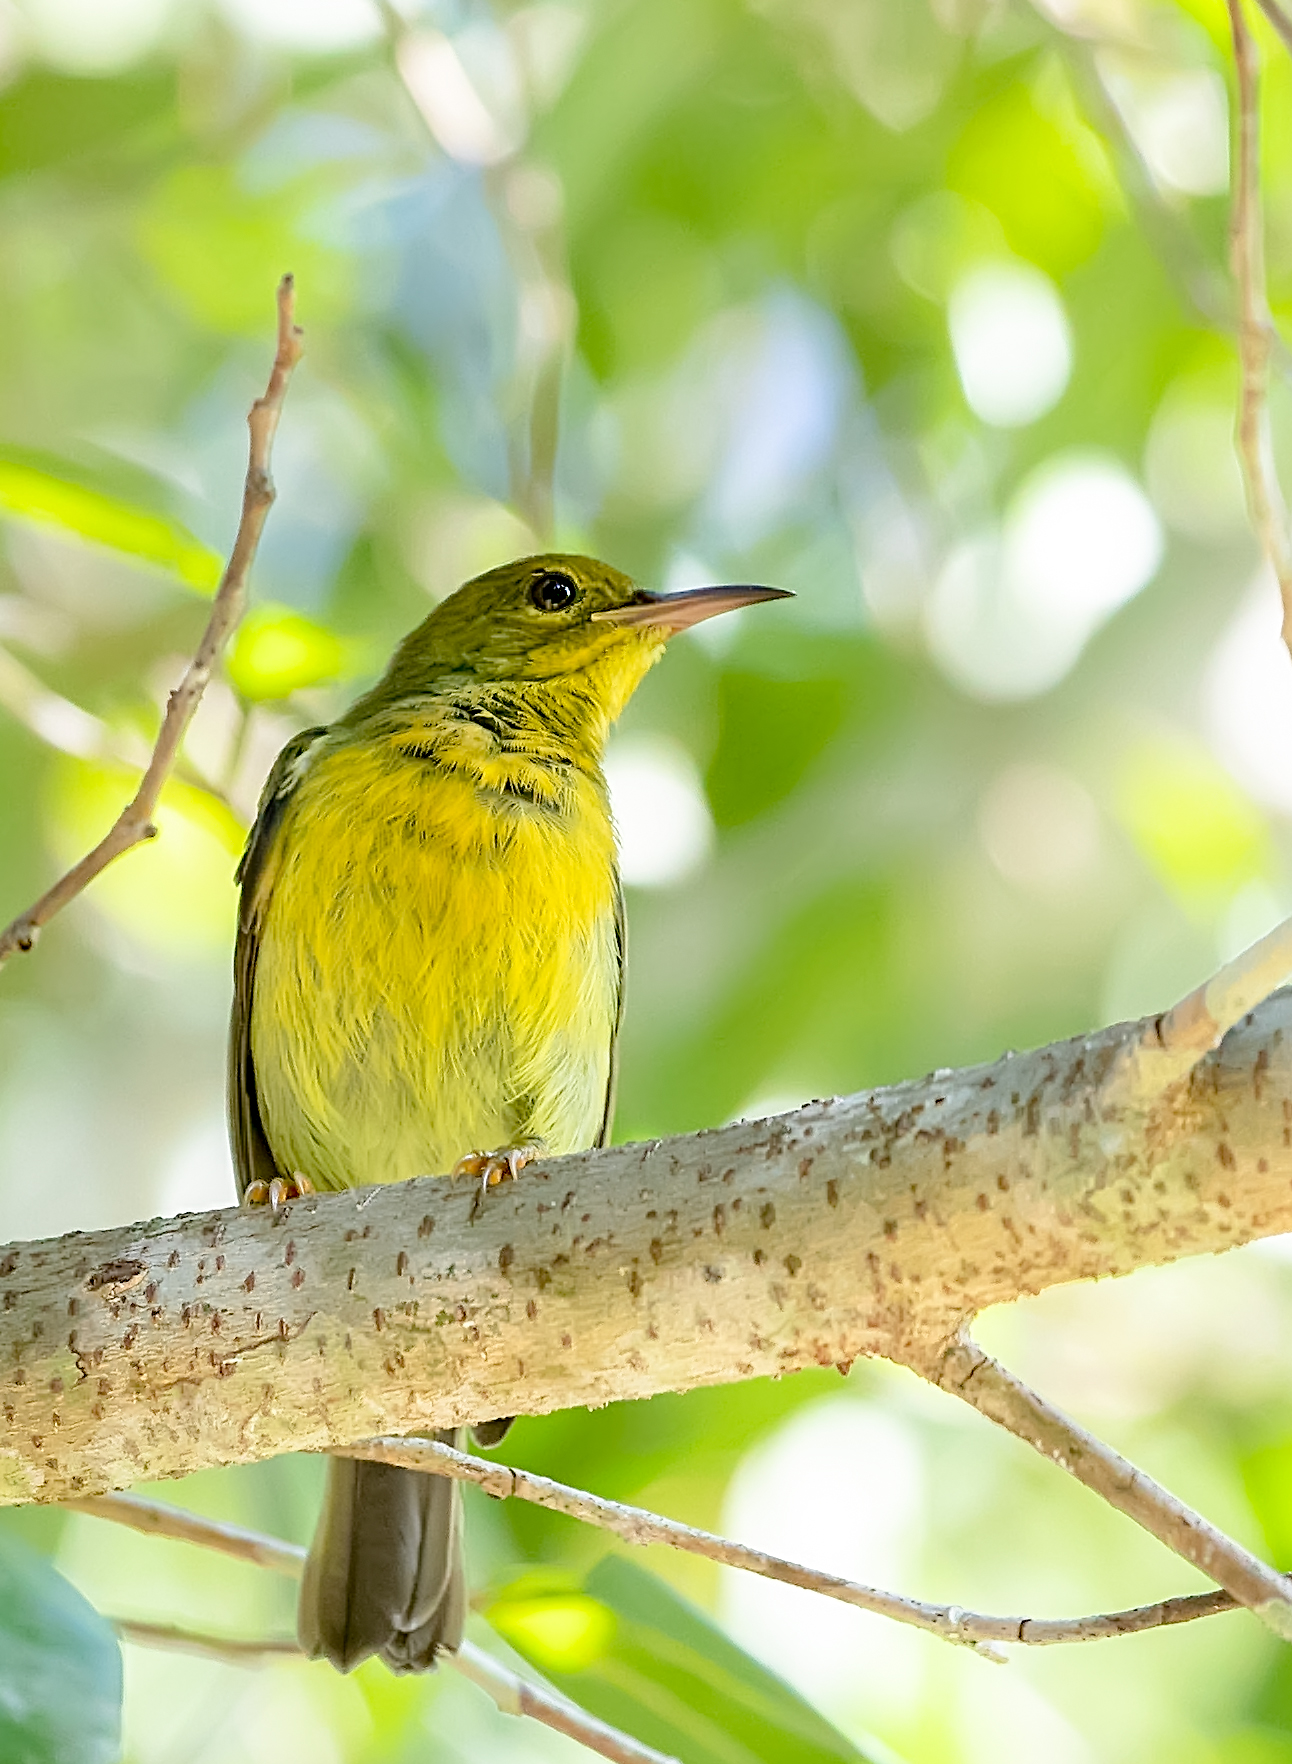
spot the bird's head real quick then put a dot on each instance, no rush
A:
(555, 618)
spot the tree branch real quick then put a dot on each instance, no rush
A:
(1265, 505)
(134, 824)
(967, 1372)
(637, 1526)
(970, 1628)
(1279, 19)
(1172, 1044)
(879, 1224)
(512, 1694)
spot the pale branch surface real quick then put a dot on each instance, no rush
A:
(878, 1224)
(967, 1372)
(635, 1525)
(135, 822)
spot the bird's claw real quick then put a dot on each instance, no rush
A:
(276, 1193)
(494, 1167)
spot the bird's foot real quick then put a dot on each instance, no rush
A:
(277, 1192)
(494, 1167)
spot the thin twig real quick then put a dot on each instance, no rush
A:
(637, 1526)
(232, 1650)
(134, 825)
(966, 1371)
(1200, 282)
(950, 1622)
(70, 729)
(1279, 19)
(515, 1695)
(1172, 1044)
(1265, 505)
(544, 317)
(512, 1694)
(158, 1519)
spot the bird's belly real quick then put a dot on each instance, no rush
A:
(433, 978)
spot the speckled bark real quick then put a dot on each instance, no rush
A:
(873, 1225)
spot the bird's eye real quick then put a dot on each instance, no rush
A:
(552, 591)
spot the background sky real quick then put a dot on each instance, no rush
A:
(921, 310)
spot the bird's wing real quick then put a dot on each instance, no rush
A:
(612, 1082)
(252, 1158)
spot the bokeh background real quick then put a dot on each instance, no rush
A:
(919, 309)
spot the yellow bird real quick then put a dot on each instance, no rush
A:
(429, 959)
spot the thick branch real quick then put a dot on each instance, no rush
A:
(874, 1225)
(134, 824)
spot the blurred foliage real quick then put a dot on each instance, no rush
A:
(624, 1646)
(921, 310)
(60, 1668)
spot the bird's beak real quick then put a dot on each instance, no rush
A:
(675, 612)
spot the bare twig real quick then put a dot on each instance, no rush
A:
(1279, 19)
(1172, 1044)
(70, 729)
(232, 1650)
(512, 1694)
(525, 203)
(1265, 503)
(158, 1519)
(636, 1526)
(134, 825)
(515, 1695)
(1199, 282)
(967, 1372)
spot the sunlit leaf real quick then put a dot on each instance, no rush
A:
(1191, 821)
(175, 894)
(278, 651)
(221, 249)
(30, 494)
(60, 1668)
(624, 1646)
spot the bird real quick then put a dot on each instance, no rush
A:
(428, 979)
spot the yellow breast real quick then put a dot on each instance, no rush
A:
(438, 967)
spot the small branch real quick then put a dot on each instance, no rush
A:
(1279, 19)
(157, 1519)
(520, 1696)
(512, 1694)
(636, 1526)
(1265, 504)
(68, 728)
(231, 1650)
(134, 825)
(966, 1371)
(1172, 1044)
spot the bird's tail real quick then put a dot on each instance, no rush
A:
(385, 1573)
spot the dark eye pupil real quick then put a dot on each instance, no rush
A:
(552, 591)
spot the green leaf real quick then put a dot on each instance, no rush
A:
(624, 1646)
(277, 651)
(34, 494)
(60, 1668)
